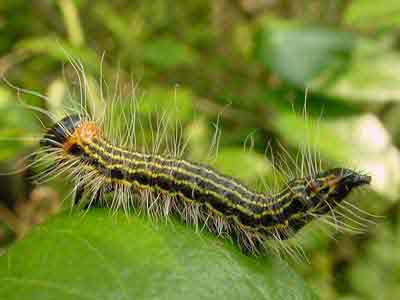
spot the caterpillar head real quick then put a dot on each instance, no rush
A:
(318, 195)
(330, 187)
(70, 134)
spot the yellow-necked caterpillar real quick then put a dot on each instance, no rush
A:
(197, 193)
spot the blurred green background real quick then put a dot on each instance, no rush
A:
(245, 65)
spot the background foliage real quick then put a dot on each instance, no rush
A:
(246, 63)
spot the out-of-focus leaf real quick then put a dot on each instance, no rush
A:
(118, 24)
(300, 132)
(243, 39)
(18, 126)
(4, 97)
(57, 92)
(176, 103)
(198, 134)
(379, 265)
(315, 102)
(368, 14)
(72, 22)
(166, 53)
(299, 54)
(249, 166)
(112, 256)
(374, 74)
(374, 152)
(359, 142)
(7, 236)
(61, 51)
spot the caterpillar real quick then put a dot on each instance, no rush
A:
(197, 193)
(116, 174)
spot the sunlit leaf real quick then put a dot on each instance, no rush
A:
(373, 75)
(361, 142)
(366, 14)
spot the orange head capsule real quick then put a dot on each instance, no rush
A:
(70, 133)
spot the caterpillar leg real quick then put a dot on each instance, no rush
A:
(94, 202)
(94, 199)
(78, 195)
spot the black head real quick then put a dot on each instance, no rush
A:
(59, 133)
(332, 186)
(320, 194)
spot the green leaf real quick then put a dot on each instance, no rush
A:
(360, 142)
(18, 127)
(166, 53)
(378, 265)
(372, 76)
(249, 166)
(176, 103)
(299, 54)
(7, 236)
(112, 256)
(60, 50)
(366, 14)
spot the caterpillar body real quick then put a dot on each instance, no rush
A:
(199, 194)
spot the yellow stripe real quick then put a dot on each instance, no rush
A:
(110, 180)
(185, 162)
(188, 173)
(187, 183)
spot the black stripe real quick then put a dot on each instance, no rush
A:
(200, 195)
(196, 168)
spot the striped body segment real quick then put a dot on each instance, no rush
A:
(194, 183)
